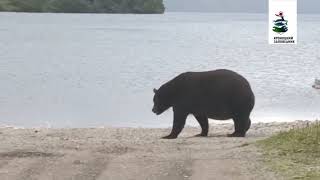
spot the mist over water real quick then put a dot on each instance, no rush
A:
(92, 70)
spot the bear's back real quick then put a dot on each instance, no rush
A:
(213, 81)
(213, 89)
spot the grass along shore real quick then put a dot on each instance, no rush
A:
(294, 154)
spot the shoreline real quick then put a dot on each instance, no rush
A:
(123, 153)
(194, 124)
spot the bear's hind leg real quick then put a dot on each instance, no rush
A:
(241, 126)
(203, 121)
(248, 125)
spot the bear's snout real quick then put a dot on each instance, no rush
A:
(154, 110)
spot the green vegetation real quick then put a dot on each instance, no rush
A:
(84, 6)
(295, 154)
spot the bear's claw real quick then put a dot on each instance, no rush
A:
(169, 137)
(201, 135)
(236, 134)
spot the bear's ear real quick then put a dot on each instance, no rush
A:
(155, 90)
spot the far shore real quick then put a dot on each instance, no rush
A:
(135, 153)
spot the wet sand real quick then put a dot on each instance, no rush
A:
(134, 153)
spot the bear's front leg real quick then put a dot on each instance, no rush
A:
(179, 120)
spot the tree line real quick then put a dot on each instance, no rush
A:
(84, 6)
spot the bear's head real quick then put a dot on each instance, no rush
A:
(161, 103)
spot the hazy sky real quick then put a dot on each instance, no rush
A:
(250, 6)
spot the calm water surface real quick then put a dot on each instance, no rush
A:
(72, 70)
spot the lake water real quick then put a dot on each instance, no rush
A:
(92, 70)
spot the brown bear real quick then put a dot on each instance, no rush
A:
(220, 94)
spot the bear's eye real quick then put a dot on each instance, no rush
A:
(156, 99)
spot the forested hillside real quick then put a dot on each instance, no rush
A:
(83, 6)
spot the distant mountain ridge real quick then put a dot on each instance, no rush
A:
(84, 6)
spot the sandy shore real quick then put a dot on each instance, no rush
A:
(129, 153)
